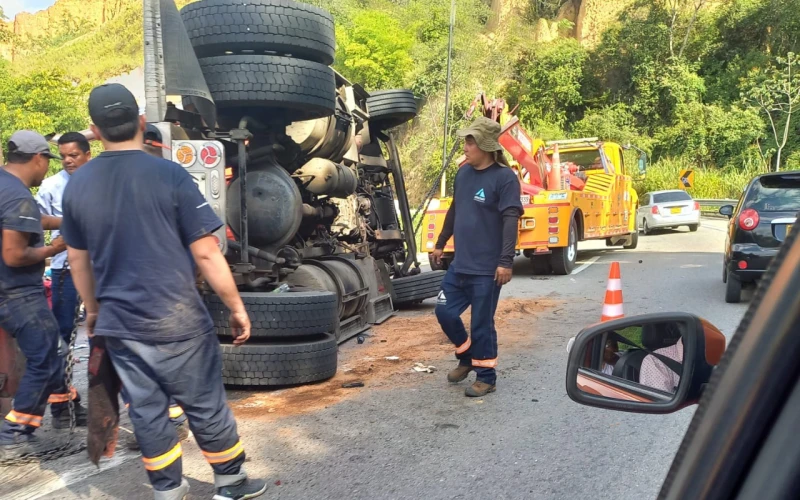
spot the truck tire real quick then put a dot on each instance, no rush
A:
(563, 259)
(306, 88)
(280, 315)
(541, 265)
(391, 108)
(634, 240)
(417, 288)
(279, 363)
(280, 27)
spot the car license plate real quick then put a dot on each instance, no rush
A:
(675, 210)
(525, 199)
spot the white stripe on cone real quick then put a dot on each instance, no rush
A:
(612, 310)
(614, 285)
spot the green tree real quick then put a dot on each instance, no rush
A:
(775, 92)
(373, 50)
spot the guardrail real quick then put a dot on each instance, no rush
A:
(710, 208)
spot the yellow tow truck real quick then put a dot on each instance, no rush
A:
(572, 190)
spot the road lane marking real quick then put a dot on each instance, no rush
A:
(585, 265)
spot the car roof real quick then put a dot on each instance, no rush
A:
(668, 191)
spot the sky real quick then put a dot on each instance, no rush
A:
(13, 7)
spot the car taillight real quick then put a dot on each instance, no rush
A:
(748, 219)
(654, 210)
(696, 206)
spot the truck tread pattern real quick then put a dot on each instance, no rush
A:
(279, 364)
(390, 108)
(280, 315)
(416, 288)
(237, 81)
(217, 27)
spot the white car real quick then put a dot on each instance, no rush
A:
(667, 209)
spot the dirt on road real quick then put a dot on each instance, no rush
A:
(388, 356)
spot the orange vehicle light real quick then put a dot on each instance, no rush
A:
(553, 210)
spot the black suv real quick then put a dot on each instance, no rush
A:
(759, 224)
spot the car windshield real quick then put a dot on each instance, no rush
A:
(585, 160)
(671, 196)
(775, 193)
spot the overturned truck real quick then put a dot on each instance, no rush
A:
(302, 167)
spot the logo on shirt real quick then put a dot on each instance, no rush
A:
(480, 196)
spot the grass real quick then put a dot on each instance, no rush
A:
(709, 183)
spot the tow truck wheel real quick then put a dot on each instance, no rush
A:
(279, 363)
(563, 259)
(279, 315)
(634, 241)
(219, 27)
(541, 265)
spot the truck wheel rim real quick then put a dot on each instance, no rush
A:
(572, 249)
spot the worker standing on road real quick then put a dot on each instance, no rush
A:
(24, 312)
(483, 217)
(129, 222)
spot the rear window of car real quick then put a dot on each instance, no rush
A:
(775, 193)
(671, 196)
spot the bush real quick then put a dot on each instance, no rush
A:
(709, 183)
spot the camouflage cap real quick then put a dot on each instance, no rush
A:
(485, 131)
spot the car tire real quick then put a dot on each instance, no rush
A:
(693, 227)
(279, 315)
(391, 108)
(733, 289)
(279, 363)
(563, 259)
(416, 288)
(645, 227)
(241, 83)
(279, 27)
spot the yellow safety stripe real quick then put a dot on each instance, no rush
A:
(485, 363)
(58, 398)
(24, 419)
(163, 461)
(464, 347)
(175, 411)
(224, 456)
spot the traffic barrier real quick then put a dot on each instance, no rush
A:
(612, 307)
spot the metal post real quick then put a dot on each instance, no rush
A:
(243, 231)
(447, 94)
(154, 77)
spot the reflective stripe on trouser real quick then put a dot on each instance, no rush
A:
(460, 291)
(30, 321)
(188, 372)
(176, 413)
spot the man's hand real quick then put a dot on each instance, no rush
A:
(502, 275)
(58, 244)
(240, 324)
(91, 321)
(437, 255)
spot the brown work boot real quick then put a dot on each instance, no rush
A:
(459, 373)
(479, 389)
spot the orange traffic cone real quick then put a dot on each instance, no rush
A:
(612, 308)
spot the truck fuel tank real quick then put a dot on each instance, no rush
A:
(324, 177)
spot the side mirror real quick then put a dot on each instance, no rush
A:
(642, 163)
(652, 363)
(726, 210)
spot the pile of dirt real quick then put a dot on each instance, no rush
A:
(387, 358)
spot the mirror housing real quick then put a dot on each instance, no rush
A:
(703, 345)
(642, 163)
(726, 210)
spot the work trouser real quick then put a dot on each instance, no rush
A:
(189, 372)
(176, 414)
(460, 291)
(31, 322)
(65, 300)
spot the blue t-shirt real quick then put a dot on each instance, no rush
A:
(481, 197)
(137, 215)
(18, 212)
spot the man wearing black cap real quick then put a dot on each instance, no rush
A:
(129, 219)
(24, 312)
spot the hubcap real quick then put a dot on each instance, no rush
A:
(572, 250)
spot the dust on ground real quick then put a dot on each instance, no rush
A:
(412, 337)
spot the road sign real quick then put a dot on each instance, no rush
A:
(687, 179)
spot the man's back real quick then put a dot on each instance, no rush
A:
(137, 215)
(18, 212)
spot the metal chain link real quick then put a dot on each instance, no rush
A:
(63, 450)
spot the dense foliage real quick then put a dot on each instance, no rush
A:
(707, 84)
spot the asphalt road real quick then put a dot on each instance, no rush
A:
(426, 440)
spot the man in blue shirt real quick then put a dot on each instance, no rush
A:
(75, 152)
(24, 312)
(128, 220)
(485, 226)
